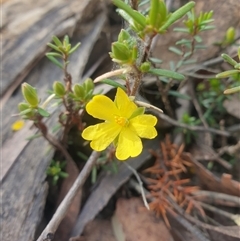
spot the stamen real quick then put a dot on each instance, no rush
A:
(120, 120)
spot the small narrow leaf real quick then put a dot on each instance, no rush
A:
(208, 27)
(190, 61)
(153, 13)
(33, 137)
(176, 51)
(227, 73)
(113, 83)
(155, 60)
(56, 41)
(237, 66)
(167, 73)
(177, 15)
(138, 17)
(54, 47)
(43, 112)
(228, 59)
(54, 54)
(24, 112)
(183, 41)
(179, 95)
(66, 40)
(55, 61)
(232, 90)
(74, 48)
(198, 39)
(183, 30)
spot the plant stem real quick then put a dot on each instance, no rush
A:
(54, 142)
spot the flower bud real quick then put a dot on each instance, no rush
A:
(120, 53)
(145, 67)
(79, 91)
(230, 35)
(59, 89)
(30, 94)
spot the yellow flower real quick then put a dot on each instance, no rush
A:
(17, 125)
(124, 125)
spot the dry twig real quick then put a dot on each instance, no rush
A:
(63, 207)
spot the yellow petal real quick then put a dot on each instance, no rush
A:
(129, 144)
(124, 104)
(102, 107)
(17, 125)
(143, 125)
(101, 135)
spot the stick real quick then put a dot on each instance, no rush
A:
(192, 128)
(140, 185)
(63, 207)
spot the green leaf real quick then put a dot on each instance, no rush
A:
(232, 90)
(56, 127)
(138, 111)
(66, 40)
(200, 46)
(198, 38)
(33, 137)
(120, 52)
(57, 41)
(113, 83)
(155, 60)
(204, 22)
(176, 50)
(63, 174)
(228, 59)
(179, 95)
(30, 94)
(208, 27)
(183, 41)
(43, 112)
(124, 36)
(55, 61)
(237, 66)
(183, 30)
(153, 13)
(138, 17)
(24, 112)
(177, 15)
(54, 54)
(190, 61)
(94, 174)
(227, 73)
(54, 47)
(167, 73)
(82, 155)
(74, 48)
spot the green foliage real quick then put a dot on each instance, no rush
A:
(55, 171)
(131, 52)
(82, 93)
(211, 99)
(189, 135)
(31, 109)
(158, 20)
(63, 50)
(234, 73)
(228, 39)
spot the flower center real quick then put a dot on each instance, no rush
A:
(120, 120)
